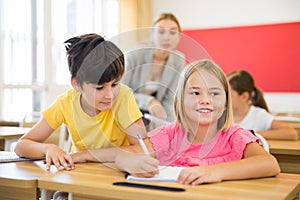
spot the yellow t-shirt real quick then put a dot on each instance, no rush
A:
(107, 129)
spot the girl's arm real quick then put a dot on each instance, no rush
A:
(256, 163)
(280, 130)
(31, 145)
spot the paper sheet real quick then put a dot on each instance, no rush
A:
(166, 174)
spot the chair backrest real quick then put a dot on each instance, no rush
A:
(155, 120)
(263, 141)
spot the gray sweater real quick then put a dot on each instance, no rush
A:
(138, 63)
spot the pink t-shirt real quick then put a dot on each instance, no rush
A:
(173, 148)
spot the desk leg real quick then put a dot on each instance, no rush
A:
(70, 196)
(46, 194)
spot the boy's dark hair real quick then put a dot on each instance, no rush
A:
(92, 59)
(241, 81)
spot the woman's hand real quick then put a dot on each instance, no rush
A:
(157, 110)
(137, 165)
(198, 175)
(59, 158)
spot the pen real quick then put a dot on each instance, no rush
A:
(141, 141)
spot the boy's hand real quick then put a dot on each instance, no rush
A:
(57, 157)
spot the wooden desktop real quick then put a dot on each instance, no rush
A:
(22, 180)
(95, 181)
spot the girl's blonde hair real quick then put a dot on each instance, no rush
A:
(226, 119)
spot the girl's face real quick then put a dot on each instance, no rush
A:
(204, 99)
(239, 100)
(97, 98)
(166, 34)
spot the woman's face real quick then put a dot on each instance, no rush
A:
(166, 34)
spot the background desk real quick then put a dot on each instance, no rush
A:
(94, 181)
(287, 154)
(11, 134)
(292, 119)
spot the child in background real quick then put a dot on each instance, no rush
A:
(202, 138)
(251, 112)
(99, 112)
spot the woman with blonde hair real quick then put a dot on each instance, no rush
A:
(152, 70)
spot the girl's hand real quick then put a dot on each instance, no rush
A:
(80, 156)
(198, 175)
(57, 157)
(137, 165)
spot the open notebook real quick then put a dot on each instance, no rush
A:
(166, 174)
(6, 156)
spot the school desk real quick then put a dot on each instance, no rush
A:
(11, 134)
(22, 180)
(287, 153)
(95, 181)
(19, 180)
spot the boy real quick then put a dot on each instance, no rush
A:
(99, 112)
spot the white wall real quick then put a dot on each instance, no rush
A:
(197, 14)
(228, 13)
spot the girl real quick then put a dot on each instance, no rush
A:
(203, 138)
(250, 110)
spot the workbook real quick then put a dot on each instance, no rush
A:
(6, 156)
(166, 174)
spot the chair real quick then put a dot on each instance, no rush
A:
(262, 140)
(155, 120)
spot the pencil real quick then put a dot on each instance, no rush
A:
(142, 143)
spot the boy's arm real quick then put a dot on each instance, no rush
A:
(109, 154)
(31, 144)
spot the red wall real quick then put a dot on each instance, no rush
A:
(271, 53)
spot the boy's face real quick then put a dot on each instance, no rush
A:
(97, 98)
